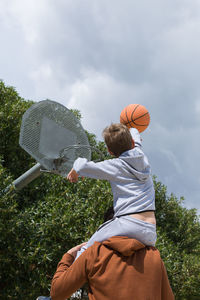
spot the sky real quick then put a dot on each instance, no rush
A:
(100, 56)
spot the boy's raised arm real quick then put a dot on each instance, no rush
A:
(136, 137)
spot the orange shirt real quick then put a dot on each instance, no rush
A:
(117, 269)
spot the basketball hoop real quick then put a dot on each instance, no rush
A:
(54, 137)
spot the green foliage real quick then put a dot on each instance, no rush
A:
(180, 224)
(41, 222)
(12, 107)
(178, 241)
(36, 236)
(77, 113)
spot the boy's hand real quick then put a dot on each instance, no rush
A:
(72, 176)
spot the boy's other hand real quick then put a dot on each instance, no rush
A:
(72, 176)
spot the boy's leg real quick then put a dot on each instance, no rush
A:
(81, 251)
(98, 236)
(104, 232)
(125, 226)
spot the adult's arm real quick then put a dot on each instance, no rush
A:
(70, 275)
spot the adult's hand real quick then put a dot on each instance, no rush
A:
(73, 251)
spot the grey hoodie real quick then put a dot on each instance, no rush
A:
(129, 176)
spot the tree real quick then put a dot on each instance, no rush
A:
(12, 107)
(178, 232)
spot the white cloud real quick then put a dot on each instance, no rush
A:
(44, 72)
(101, 98)
(197, 108)
(172, 158)
(26, 14)
(49, 84)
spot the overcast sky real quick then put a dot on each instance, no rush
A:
(100, 55)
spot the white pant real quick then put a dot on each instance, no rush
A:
(123, 226)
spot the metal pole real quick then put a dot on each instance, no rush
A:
(26, 178)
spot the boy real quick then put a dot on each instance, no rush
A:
(133, 192)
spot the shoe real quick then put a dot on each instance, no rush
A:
(43, 298)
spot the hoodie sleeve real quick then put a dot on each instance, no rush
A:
(136, 137)
(69, 276)
(106, 169)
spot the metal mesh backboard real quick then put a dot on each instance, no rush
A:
(49, 127)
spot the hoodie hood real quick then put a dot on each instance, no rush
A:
(136, 163)
(124, 245)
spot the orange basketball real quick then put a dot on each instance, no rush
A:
(135, 115)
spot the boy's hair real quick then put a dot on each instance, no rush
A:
(117, 138)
